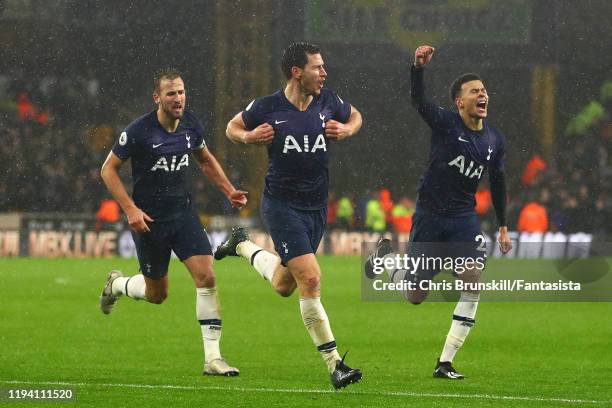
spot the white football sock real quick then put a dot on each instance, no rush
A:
(263, 261)
(316, 322)
(463, 320)
(207, 313)
(396, 275)
(131, 286)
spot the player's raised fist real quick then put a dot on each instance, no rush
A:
(261, 135)
(422, 55)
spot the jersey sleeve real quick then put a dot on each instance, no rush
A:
(253, 115)
(200, 143)
(499, 160)
(341, 109)
(434, 115)
(125, 145)
(497, 179)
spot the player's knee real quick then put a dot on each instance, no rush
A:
(312, 282)
(206, 280)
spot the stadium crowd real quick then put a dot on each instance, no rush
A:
(51, 160)
(55, 139)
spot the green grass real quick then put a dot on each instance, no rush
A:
(51, 330)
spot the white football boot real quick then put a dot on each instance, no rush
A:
(107, 299)
(220, 367)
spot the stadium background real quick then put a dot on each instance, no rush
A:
(74, 73)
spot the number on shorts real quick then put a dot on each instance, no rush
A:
(482, 246)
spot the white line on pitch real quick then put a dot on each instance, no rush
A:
(310, 391)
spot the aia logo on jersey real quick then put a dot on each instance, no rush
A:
(470, 171)
(162, 163)
(292, 144)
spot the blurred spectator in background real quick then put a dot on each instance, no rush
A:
(386, 204)
(402, 215)
(535, 165)
(344, 215)
(483, 200)
(332, 209)
(108, 213)
(533, 218)
(375, 216)
(25, 108)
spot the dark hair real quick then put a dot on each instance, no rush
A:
(296, 55)
(455, 87)
(164, 73)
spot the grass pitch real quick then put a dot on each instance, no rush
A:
(53, 336)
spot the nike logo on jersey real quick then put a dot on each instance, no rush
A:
(278, 122)
(462, 139)
(155, 146)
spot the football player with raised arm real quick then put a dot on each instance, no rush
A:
(463, 146)
(161, 146)
(299, 125)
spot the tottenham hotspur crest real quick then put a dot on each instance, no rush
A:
(489, 155)
(188, 143)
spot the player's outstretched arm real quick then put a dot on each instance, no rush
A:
(110, 175)
(432, 113)
(237, 132)
(422, 56)
(213, 170)
(337, 131)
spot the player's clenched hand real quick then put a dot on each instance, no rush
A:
(261, 135)
(238, 198)
(336, 130)
(137, 220)
(505, 244)
(422, 55)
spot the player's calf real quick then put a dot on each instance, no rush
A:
(283, 281)
(471, 276)
(156, 290)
